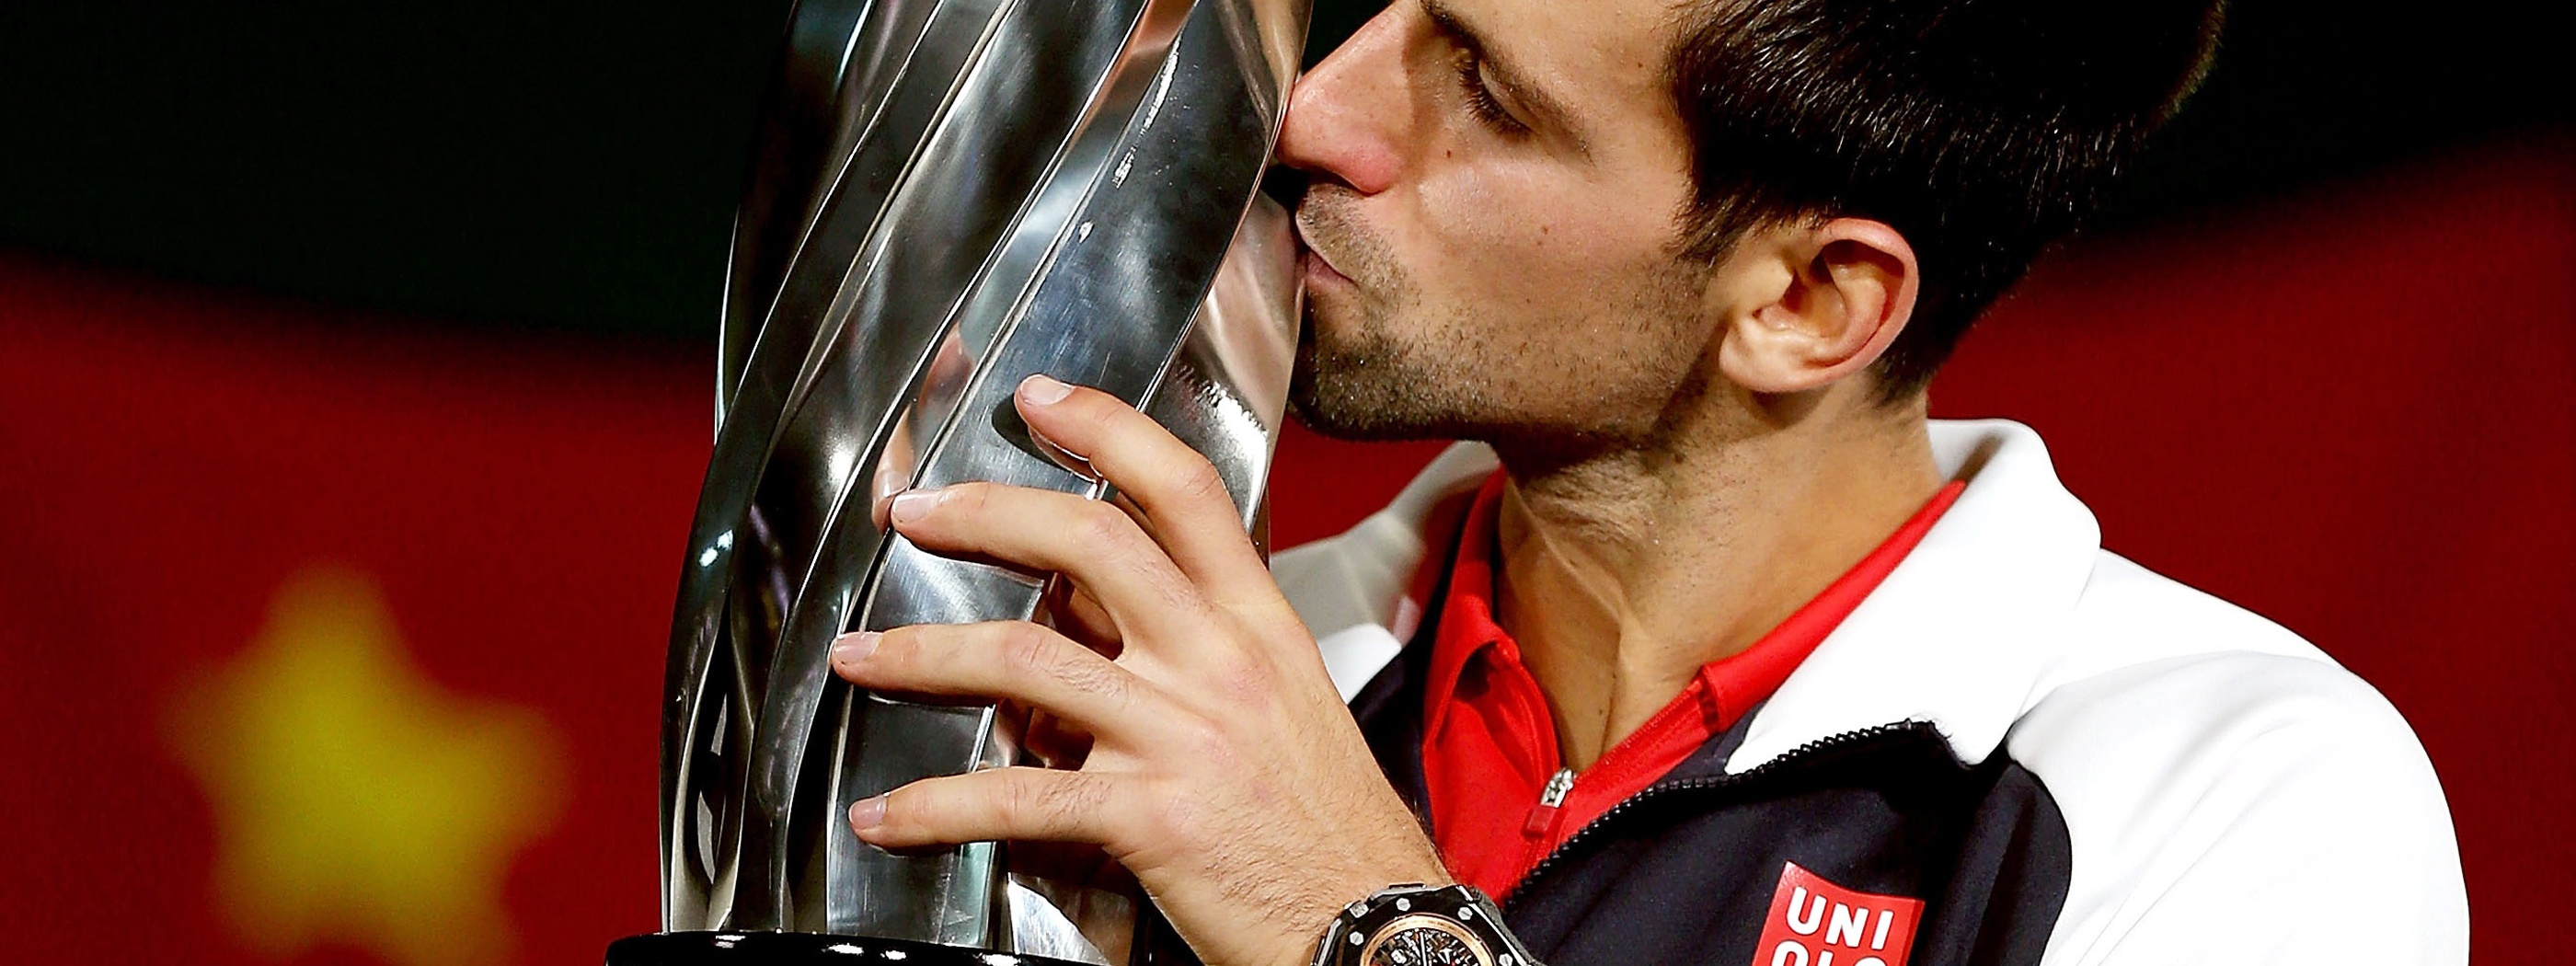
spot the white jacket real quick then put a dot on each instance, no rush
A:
(2231, 794)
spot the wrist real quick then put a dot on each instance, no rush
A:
(1335, 894)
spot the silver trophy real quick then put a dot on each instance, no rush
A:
(948, 196)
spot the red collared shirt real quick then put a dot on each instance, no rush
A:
(1501, 798)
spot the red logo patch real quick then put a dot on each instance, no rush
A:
(1817, 923)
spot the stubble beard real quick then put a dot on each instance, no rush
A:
(1368, 382)
(1372, 386)
(1394, 366)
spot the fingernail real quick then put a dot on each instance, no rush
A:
(913, 505)
(1042, 391)
(868, 813)
(853, 648)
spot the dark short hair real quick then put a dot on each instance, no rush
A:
(1981, 130)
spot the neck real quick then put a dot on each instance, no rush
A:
(1623, 572)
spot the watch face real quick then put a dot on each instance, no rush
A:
(1420, 940)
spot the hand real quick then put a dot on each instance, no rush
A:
(1222, 768)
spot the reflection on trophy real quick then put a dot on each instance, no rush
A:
(948, 197)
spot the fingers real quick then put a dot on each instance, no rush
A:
(1000, 804)
(1005, 660)
(1093, 543)
(892, 477)
(1054, 742)
(1184, 501)
(1073, 613)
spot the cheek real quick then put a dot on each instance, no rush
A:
(1570, 293)
(1537, 250)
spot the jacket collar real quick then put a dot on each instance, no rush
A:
(1959, 633)
(1956, 636)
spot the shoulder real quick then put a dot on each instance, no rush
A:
(2231, 793)
(2209, 669)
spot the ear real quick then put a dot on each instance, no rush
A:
(1813, 305)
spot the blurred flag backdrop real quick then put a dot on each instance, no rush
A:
(324, 643)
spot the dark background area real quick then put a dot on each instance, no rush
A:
(572, 165)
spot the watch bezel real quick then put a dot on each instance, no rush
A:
(1458, 910)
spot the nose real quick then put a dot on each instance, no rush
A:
(1346, 117)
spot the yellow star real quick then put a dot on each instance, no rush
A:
(356, 802)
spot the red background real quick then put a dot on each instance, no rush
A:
(2353, 411)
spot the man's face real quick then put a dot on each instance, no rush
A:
(1493, 225)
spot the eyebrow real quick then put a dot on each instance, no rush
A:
(1498, 67)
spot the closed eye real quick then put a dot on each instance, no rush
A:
(1481, 102)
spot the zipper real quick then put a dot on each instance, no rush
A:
(1792, 758)
(1541, 823)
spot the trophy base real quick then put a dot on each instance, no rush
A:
(801, 949)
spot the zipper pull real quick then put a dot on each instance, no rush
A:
(1557, 787)
(1543, 818)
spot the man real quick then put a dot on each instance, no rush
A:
(1737, 658)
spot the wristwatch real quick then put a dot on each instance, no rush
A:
(1417, 925)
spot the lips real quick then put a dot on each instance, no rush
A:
(1312, 261)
